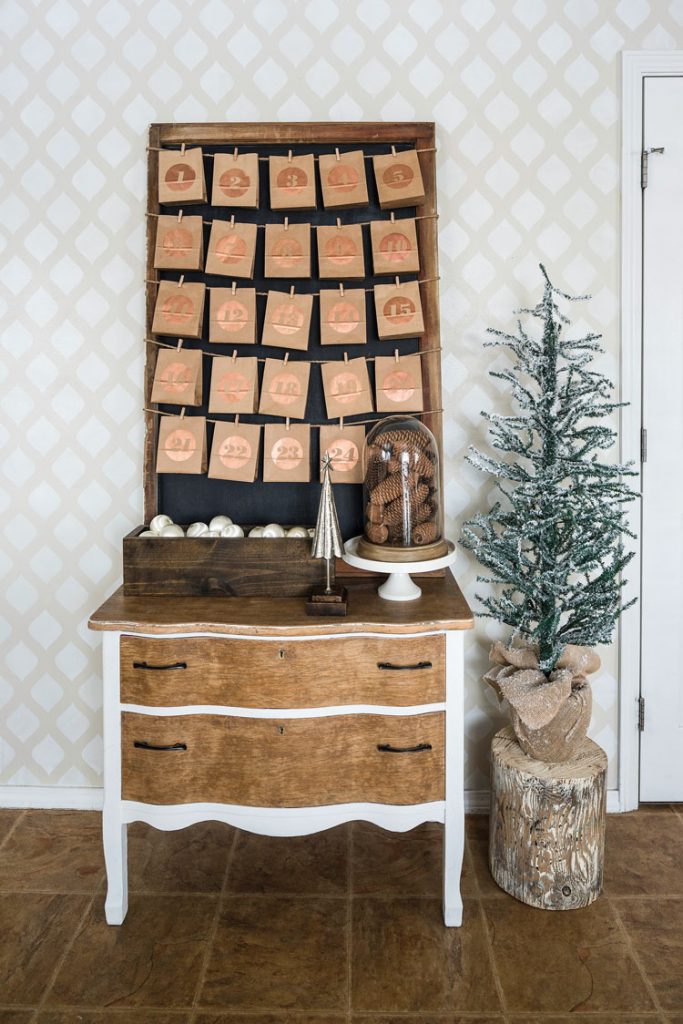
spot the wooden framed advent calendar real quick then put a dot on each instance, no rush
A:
(303, 232)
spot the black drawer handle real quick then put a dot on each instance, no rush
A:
(144, 745)
(386, 748)
(159, 668)
(403, 668)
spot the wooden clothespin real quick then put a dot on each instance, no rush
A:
(393, 151)
(182, 413)
(338, 223)
(286, 223)
(397, 282)
(182, 149)
(341, 422)
(234, 354)
(396, 355)
(291, 291)
(237, 419)
(287, 423)
(341, 289)
(232, 222)
(234, 153)
(234, 287)
(336, 153)
(346, 357)
(181, 281)
(180, 216)
(286, 359)
(179, 345)
(393, 218)
(289, 156)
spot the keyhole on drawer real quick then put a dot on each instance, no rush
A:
(281, 729)
(281, 653)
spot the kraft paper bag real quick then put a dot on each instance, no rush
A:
(284, 389)
(347, 387)
(343, 180)
(287, 322)
(399, 384)
(232, 249)
(179, 309)
(288, 250)
(399, 179)
(235, 451)
(340, 251)
(232, 316)
(344, 445)
(292, 182)
(399, 310)
(179, 243)
(287, 453)
(342, 316)
(182, 445)
(235, 180)
(394, 246)
(178, 377)
(234, 384)
(181, 176)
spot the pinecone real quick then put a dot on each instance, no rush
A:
(393, 512)
(392, 487)
(376, 533)
(405, 440)
(425, 533)
(374, 513)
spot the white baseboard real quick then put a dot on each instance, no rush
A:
(85, 798)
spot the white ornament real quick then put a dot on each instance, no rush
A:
(197, 529)
(211, 533)
(232, 531)
(297, 531)
(148, 533)
(256, 532)
(273, 530)
(311, 531)
(172, 531)
(218, 523)
(159, 522)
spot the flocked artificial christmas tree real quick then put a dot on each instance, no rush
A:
(553, 545)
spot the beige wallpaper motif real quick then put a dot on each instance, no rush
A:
(526, 100)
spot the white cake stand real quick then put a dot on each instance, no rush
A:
(398, 585)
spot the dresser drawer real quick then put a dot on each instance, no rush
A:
(163, 672)
(287, 763)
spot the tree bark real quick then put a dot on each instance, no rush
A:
(547, 834)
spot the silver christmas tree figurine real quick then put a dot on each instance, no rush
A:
(327, 544)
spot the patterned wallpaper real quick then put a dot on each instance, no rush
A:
(525, 97)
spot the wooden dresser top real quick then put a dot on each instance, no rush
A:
(442, 606)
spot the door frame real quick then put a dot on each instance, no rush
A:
(635, 67)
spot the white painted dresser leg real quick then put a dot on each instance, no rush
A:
(114, 830)
(454, 818)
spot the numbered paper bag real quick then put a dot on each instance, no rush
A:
(340, 251)
(232, 249)
(179, 309)
(179, 243)
(347, 388)
(345, 448)
(394, 246)
(234, 384)
(343, 181)
(234, 451)
(399, 179)
(399, 384)
(287, 453)
(232, 316)
(287, 322)
(181, 176)
(178, 377)
(292, 182)
(342, 316)
(288, 250)
(399, 310)
(182, 445)
(235, 180)
(284, 389)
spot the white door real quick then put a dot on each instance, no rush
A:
(661, 750)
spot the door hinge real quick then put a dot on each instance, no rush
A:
(644, 158)
(641, 714)
(643, 444)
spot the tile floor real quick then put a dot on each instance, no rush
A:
(340, 927)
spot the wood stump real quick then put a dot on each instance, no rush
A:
(547, 829)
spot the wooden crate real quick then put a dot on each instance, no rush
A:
(220, 566)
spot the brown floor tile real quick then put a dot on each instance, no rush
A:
(656, 931)
(269, 1018)
(35, 929)
(8, 818)
(312, 865)
(419, 1019)
(277, 953)
(112, 1017)
(590, 1018)
(54, 851)
(16, 1016)
(404, 959)
(563, 961)
(191, 859)
(152, 959)
(477, 827)
(398, 863)
(479, 853)
(643, 854)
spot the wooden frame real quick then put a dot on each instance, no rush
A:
(421, 135)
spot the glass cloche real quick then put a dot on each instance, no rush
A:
(401, 493)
